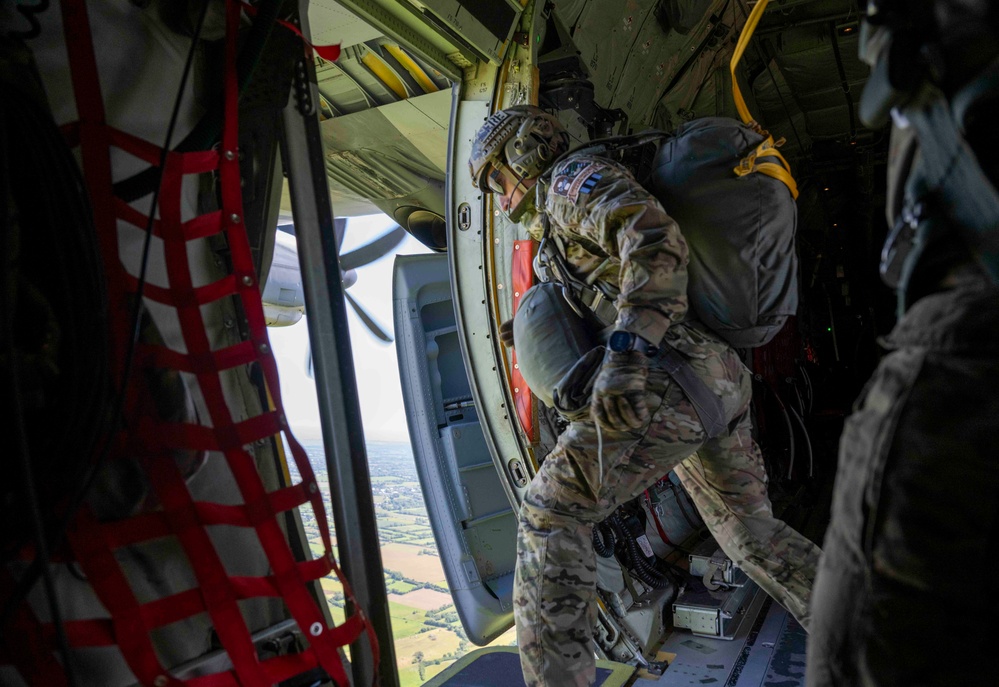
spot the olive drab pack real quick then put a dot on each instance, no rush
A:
(550, 337)
(739, 227)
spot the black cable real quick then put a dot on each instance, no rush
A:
(844, 82)
(68, 309)
(635, 560)
(39, 566)
(808, 440)
(603, 540)
(787, 421)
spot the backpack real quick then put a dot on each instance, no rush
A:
(739, 227)
(736, 209)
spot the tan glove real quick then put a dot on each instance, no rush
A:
(618, 401)
(506, 333)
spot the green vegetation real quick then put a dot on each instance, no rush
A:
(426, 641)
(406, 621)
(400, 587)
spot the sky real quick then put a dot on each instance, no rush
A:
(376, 366)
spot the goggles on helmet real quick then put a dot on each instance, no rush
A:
(494, 180)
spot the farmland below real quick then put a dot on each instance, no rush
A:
(425, 625)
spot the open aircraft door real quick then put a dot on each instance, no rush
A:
(473, 521)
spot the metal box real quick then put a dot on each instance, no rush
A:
(718, 614)
(707, 554)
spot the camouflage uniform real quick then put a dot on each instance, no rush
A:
(898, 599)
(599, 210)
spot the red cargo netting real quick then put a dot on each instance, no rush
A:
(129, 623)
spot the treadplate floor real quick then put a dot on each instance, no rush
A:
(769, 651)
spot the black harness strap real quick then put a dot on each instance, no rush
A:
(708, 406)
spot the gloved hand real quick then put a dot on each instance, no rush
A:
(506, 333)
(618, 401)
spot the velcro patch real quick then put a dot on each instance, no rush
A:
(576, 179)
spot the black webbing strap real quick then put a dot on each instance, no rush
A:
(600, 305)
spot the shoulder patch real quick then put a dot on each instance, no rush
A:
(577, 177)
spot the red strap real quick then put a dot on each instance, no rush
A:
(655, 519)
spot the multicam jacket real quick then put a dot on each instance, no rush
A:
(615, 234)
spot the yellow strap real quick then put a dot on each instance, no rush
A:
(740, 47)
(412, 67)
(782, 170)
(282, 457)
(778, 170)
(772, 169)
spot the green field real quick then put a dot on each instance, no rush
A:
(428, 635)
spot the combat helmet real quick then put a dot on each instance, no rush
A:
(520, 142)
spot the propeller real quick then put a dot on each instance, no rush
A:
(372, 326)
(349, 263)
(368, 253)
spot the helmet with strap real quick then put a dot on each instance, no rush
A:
(523, 139)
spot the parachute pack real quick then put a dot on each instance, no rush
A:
(739, 226)
(733, 197)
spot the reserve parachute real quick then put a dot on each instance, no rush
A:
(551, 339)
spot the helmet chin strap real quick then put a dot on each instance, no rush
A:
(526, 201)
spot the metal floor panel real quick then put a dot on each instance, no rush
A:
(500, 667)
(768, 651)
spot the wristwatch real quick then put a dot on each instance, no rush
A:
(621, 340)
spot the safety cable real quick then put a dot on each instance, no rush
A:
(659, 525)
(780, 95)
(39, 566)
(600, 455)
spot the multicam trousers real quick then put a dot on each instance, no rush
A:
(905, 593)
(555, 582)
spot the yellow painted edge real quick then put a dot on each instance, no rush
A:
(412, 67)
(384, 74)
